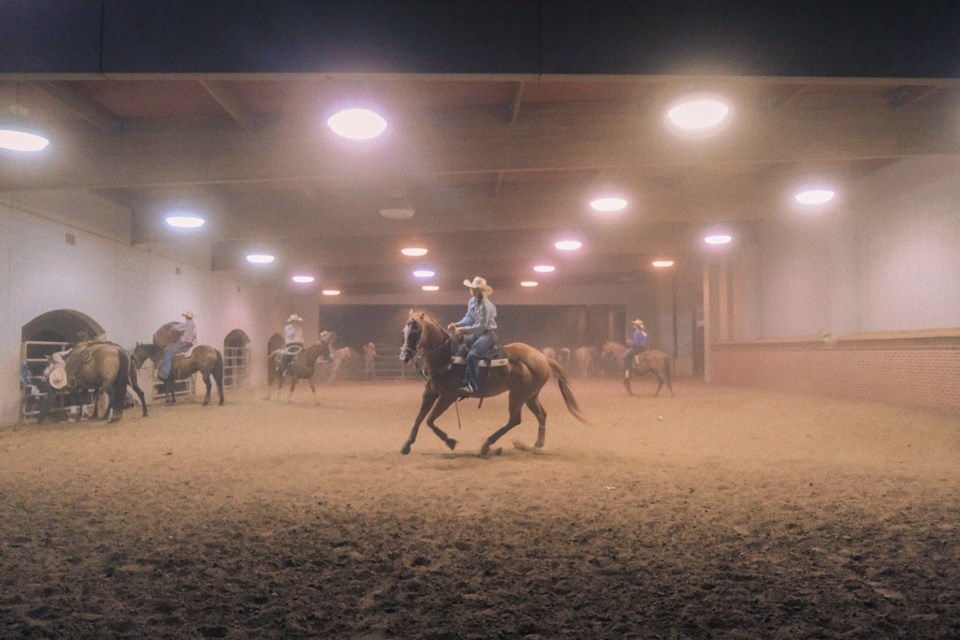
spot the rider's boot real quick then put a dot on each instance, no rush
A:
(626, 373)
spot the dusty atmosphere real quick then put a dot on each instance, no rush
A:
(721, 513)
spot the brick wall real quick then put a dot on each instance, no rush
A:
(909, 368)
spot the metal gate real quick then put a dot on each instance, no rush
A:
(235, 371)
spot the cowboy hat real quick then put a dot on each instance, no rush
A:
(294, 318)
(57, 377)
(637, 323)
(188, 315)
(479, 283)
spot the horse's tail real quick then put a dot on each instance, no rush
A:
(218, 368)
(119, 395)
(566, 391)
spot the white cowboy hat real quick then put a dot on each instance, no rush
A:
(294, 318)
(637, 323)
(57, 377)
(188, 315)
(479, 283)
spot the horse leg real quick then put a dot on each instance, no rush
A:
(516, 404)
(313, 388)
(443, 403)
(169, 397)
(659, 384)
(218, 378)
(626, 385)
(541, 414)
(429, 398)
(206, 382)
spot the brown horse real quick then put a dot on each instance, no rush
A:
(527, 371)
(203, 358)
(100, 364)
(646, 362)
(302, 368)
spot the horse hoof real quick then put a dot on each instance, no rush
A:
(405, 449)
(451, 443)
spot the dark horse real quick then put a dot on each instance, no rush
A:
(100, 364)
(302, 368)
(525, 374)
(203, 358)
(649, 361)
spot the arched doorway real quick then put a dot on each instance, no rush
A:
(236, 359)
(39, 338)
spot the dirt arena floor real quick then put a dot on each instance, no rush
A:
(721, 513)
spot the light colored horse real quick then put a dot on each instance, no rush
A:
(369, 361)
(101, 364)
(342, 357)
(427, 342)
(586, 360)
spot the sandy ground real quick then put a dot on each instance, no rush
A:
(721, 513)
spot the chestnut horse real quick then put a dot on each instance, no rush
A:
(203, 358)
(649, 361)
(302, 368)
(427, 342)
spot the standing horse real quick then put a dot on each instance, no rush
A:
(203, 358)
(649, 361)
(302, 368)
(369, 361)
(101, 364)
(524, 375)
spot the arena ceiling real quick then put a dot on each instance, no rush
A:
(496, 168)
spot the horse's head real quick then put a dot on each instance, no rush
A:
(412, 332)
(142, 352)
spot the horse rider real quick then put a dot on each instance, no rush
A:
(638, 343)
(188, 338)
(292, 343)
(477, 330)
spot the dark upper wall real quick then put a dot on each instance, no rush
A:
(832, 38)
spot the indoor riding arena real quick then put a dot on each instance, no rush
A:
(779, 461)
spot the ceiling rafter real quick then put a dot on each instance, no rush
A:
(229, 103)
(73, 98)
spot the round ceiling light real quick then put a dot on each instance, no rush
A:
(303, 279)
(544, 268)
(662, 264)
(16, 139)
(430, 287)
(568, 245)
(529, 283)
(185, 221)
(414, 251)
(260, 258)
(718, 238)
(331, 292)
(608, 204)
(698, 114)
(397, 213)
(357, 124)
(423, 273)
(814, 196)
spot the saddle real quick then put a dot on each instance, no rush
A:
(495, 357)
(80, 355)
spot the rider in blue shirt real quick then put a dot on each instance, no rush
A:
(478, 329)
(638, 343)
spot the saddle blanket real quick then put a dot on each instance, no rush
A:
(496, 362)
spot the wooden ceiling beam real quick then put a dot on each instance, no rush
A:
(229, 103)
(71, 96)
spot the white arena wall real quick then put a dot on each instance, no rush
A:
(129, 291)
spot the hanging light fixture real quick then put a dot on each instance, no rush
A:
(357, 124)
(19, 134)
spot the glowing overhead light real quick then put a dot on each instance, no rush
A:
(544, 268)
(608, 204)
(357, 124)
(414, 251)
(397, 212)
(303, 279)
(331, 292)
(698, 114)
(185, 220)
(430, 287)
(16, 139)
(718, 238)
(529, 283)
(814, 196)
(423, 273)
(662, 264)
(260, 258)
(568, 245)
